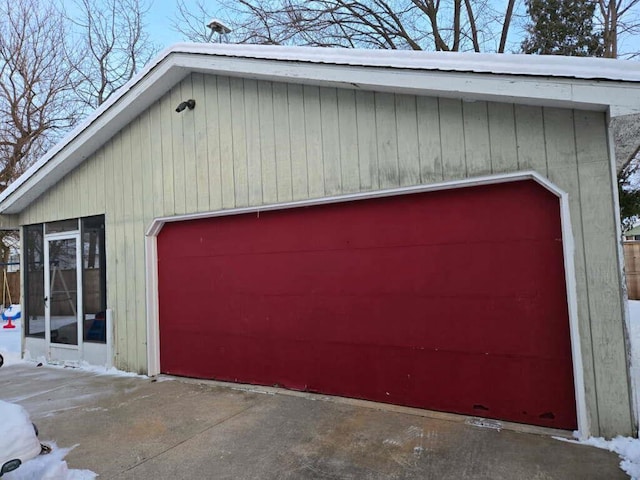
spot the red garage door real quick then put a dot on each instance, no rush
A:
(451, 300)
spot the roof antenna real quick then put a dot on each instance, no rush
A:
(217, 26)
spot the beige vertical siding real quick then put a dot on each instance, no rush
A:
(251, 143)
(9, 221)
(601, 252)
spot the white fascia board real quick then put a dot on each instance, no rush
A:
(493, 63)
(526, 90)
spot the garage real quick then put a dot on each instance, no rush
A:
(450, 300)
(437, 231)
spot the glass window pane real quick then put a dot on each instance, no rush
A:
(63, 294)
(94, 279)
(34, 281)
(61, 226)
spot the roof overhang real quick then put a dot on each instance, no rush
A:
(581, 83)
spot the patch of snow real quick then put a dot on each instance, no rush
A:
(627, 448)
(10, 347)
(10, 358)
(50, 467)
(103, 370)
(18, 440)
(10, 340)
(10, 334)
(634, 343)
(84, 366)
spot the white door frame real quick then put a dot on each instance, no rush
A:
(74, 235)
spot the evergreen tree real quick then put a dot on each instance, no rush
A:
(562, 27)
(629, 194)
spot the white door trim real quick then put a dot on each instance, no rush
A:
(151, 259)
(73, 235)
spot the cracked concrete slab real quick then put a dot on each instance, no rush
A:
(135, 428)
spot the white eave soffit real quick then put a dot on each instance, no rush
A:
(591, 84)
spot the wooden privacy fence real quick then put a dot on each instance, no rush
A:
(632, 268)
(13, 282)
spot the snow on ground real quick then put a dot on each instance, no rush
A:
(84, 366)
(634, 339)
(16, 429)
(18, 441)
(10, 346)
(627, 448)
(10, 341)
(113, 371)
(17, 436)
(49, 467)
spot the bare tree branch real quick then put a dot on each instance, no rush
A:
(36, 103)
(113, 44)
(391, 24)
(505, 26)
(618, 20)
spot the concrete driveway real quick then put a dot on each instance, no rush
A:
(135, 428)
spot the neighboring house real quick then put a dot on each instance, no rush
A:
(308, 224)
(633, 234)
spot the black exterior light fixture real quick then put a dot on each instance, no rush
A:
(190, 104)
